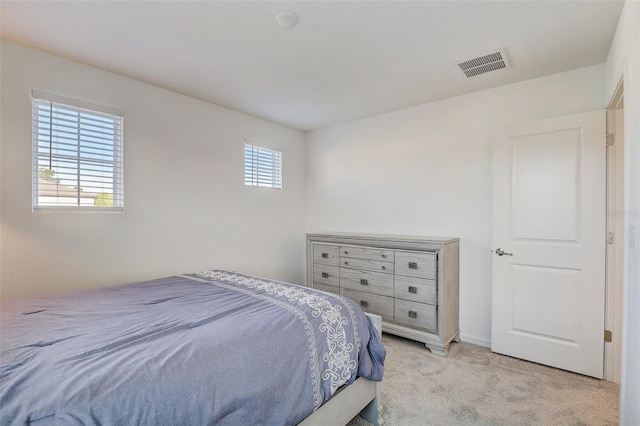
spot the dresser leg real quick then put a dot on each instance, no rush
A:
(437, 350)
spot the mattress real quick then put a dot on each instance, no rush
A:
(214, 347)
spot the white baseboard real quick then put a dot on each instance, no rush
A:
(475, 340)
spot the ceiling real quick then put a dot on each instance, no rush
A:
(343, 61)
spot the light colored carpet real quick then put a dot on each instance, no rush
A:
(473, 386)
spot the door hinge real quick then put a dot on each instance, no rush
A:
(608, 336)
(610, 239)
(610, 139)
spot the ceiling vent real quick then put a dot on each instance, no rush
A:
(494, 61)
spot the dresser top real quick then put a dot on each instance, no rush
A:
(381, 237)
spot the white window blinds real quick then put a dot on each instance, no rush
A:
(77, 155)
(262, 166)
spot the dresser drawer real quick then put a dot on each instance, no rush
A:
(372, 303)
(415, 289)
(325, 254)
(367, 265)
(369, 282)
(415, 314)
(416, 264)
(366, 253)
(326, 274)
(329, 288)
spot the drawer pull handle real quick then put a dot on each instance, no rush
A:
(325, 255)
(346, 252)
(364, 282)
(384, 256)
(325, 275)
(364, 303)
(384, 267)
(413, 314)
(346, 263)
(413, 289)
(413, 265)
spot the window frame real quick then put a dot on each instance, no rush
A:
(256, 174)
(39, 97)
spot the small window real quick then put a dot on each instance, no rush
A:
(77, 155)
(262, 167)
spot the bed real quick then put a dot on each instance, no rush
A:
(215, 347)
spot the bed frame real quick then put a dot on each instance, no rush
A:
(361, 397)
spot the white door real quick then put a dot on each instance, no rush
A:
(549, 222)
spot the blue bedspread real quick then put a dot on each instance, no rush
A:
(209, 348)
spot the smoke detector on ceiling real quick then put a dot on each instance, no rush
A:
(493, 61)
(287, 19)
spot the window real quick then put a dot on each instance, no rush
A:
(77, 155)
(262, 167)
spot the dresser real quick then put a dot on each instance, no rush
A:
(411, 282)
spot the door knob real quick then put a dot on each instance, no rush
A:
(501, 252)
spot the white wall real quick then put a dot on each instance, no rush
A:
(186, 206)
(426, 170)
(624, 60)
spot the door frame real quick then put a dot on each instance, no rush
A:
(614, 252)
